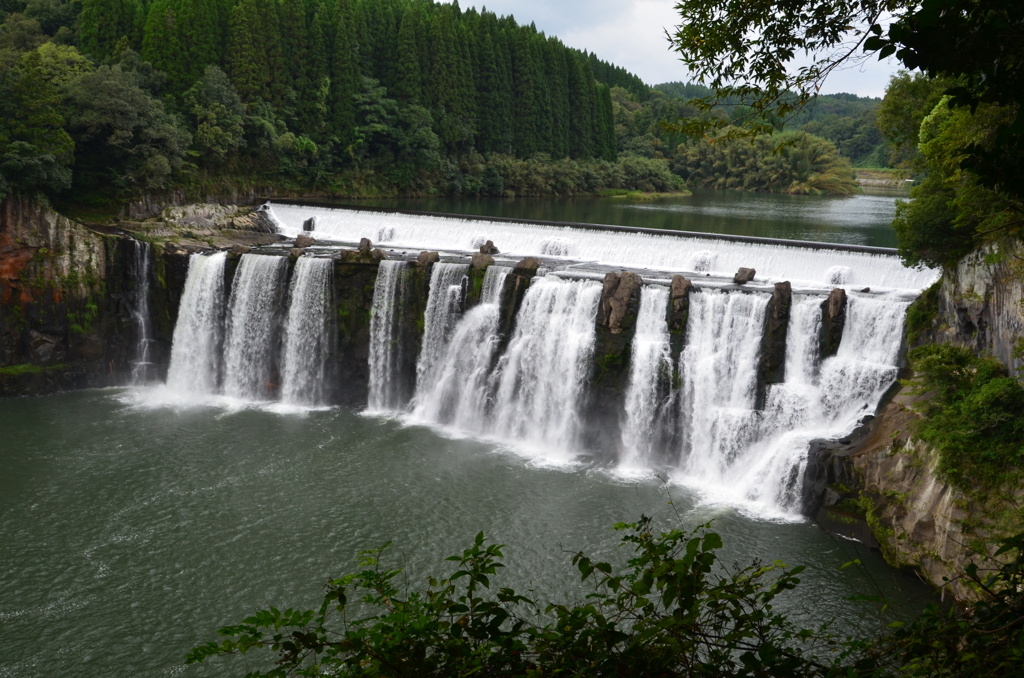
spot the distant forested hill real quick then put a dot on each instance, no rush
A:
(105, 100)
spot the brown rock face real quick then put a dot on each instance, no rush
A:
(833, 319)
(303, 241)
(481, 261)
(427, 259)
(744, 275)
(489, 248)
(527, 266)
(365, 245)
(309, 224)
(773, 350)
(619, 291)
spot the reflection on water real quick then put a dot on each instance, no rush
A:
(132, 527)
(855, 220)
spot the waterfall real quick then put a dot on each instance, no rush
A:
(444, 305)
(253, 326)
(385, 325)
(802, 266)
(649, 379)
(141, 363)
(457, 395)
(719, 372)
(307, 343)
(542, 378)
(195, 351)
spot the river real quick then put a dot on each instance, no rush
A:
(133, 526)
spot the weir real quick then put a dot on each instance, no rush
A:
(720, 386)
(253, 327)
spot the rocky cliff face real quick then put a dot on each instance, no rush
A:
(65, 310)
(981, 303)
(881, 485)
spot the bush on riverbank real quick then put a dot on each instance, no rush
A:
(673, 611)
(789, 162)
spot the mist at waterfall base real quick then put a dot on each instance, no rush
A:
(138, 521)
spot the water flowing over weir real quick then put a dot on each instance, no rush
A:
(643, 431)
(307, 343)
(198, 337)
(458, 393)
(253, 320)
(444, 305)
(543, 375)
(718, 386)
(141, 364)
(385, 345)
(774, 262)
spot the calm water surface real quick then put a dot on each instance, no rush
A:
(129, 533)
(855, 220)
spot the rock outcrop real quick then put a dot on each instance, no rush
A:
(743, 276)
(833, 319)
(773, 345)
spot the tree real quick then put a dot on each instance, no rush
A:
(126, 140)
(106, 23)
(909, 99)
(35, 151)
(181, 38)
(218, 115)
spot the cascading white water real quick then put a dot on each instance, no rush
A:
(444, 305)
(815, 402)
(307, 332)
(195, 351)
(719, 373)
(650, 369)
(774, 262)
(385, 347)
(253, 324)
(458, 392)
(141, 363)
(542, 378)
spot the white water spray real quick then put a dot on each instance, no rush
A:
(385, 348)
(650, 374)
(195, 352)
(253, 326)
(458, 393)
(307, 332)
(141, 363)
(444, 305)
(544, 373)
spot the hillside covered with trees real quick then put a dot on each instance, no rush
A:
(106, 100)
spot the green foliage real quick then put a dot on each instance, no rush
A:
(790, 162)
(909, 99)
(923, 311)
(217, 113)
(672, 611)
(125, 138)
(35, 151)
(952, 212)
(974, 415)
(107, 25)
(18, 370)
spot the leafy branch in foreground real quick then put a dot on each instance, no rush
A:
(672, 611)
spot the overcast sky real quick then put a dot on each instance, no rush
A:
(630, 33)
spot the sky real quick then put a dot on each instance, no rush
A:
(631, 34)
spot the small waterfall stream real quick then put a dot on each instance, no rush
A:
(307, 342)
(458, 393)
(385, 347)
(141, 364)
(253, 326)
(196, 347)
(650, 376)
(444, 305)
(542, 378)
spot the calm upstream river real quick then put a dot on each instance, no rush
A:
(853, 220)
(130, 529)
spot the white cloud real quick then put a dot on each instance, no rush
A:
(631, 34)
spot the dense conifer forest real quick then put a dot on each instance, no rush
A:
(106, 100)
